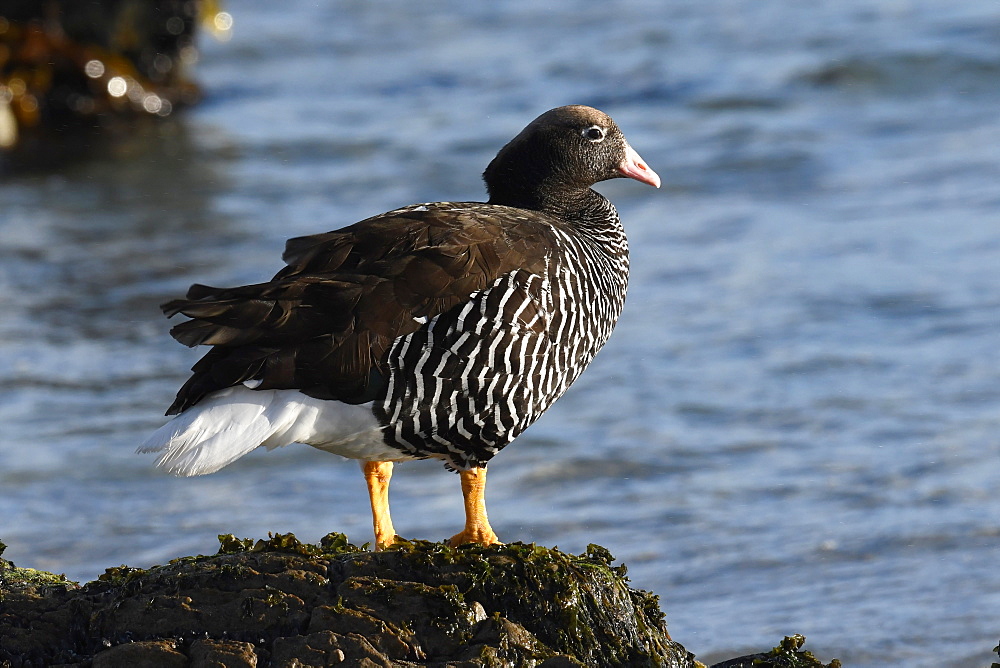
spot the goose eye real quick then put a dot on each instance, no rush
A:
(594, 133)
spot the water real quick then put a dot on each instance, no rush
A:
(795, 427)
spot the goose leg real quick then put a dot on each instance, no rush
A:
(377, 475)
(477, 525)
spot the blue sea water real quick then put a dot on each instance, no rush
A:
(796, 426)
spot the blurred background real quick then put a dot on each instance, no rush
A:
(796, 427)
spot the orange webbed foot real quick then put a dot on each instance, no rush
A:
(386, 543)
(482, 536)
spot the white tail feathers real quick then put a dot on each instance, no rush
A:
(230, 423)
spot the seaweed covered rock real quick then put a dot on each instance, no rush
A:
(69, 64)
(280, 602)
(788, 654)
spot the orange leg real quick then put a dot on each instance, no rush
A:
(377, 475)
(477, 525)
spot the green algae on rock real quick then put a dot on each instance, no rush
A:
(787, 654)
(283, 602)
(13, 578)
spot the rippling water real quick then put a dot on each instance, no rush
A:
(796, 427)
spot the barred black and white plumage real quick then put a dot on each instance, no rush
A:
(437, 330)
(475, 377)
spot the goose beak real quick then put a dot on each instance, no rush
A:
(634, 167)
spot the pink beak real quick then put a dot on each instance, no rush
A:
(634, 167)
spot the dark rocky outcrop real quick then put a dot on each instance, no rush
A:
(280, 602)
(788, 654)
(59, 59)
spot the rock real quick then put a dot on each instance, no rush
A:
(222, 654)
(786, 655)
(149, 654)
(66, 63)
(280, 602)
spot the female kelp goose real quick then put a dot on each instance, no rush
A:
(436, 330)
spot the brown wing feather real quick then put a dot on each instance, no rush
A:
(324, 323)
